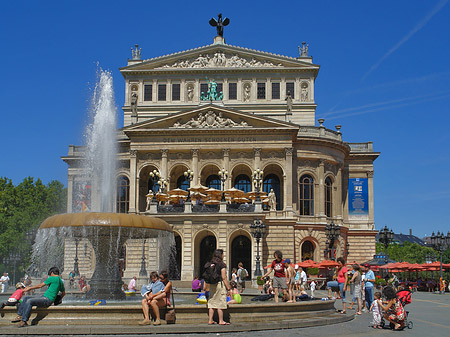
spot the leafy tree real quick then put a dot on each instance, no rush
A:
(411, 252)
(22, 209)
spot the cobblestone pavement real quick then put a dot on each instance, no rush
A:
(430, 314)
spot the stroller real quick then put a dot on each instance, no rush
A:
(404, 296)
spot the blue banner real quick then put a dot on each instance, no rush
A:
(358, 198)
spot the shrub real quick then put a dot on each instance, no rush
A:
(259, 281)
(313, 271)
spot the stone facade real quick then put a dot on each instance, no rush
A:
(168, 128)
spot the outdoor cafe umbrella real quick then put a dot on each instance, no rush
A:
(178, 191)
(234, 192)
(177, 198)
(328, 264)
(240, 200)
(161, 197)
(252, 195)
(212, 202)
(213, 192)
(198, 195)
(198, 188)
(307, 264)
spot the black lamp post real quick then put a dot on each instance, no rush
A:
(143, 271)
(223, 174)
(440, 243)
(258, 230)
(154, 177)
(385, 236)
(430, 257)
(332, 232)
(189, 176)
(13, 258)
(75, 263)
(257, 180)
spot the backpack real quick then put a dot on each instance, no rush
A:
(243, 274)
(211, 274)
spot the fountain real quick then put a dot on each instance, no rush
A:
(106, 231)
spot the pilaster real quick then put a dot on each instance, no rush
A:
(321, 178)
(133, 181)
(226, 166)
(196, 178)
(288, 182)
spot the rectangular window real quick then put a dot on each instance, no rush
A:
(219, 88)
(261, 91)
(162, 92)
(148, 88)
(290, 88)
(276, 90)
(175, 92)
(203, 88)
(232, 91)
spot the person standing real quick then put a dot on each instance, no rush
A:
(218, 291)
(290, 279)
(279, 279)
(356, 281)
(55, 285)
(341, 276)
(242, 274)
(369, 281)
(4, 281)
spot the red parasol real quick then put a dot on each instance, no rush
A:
(328, 264)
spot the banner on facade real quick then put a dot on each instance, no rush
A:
(358, 199)
(81, 197)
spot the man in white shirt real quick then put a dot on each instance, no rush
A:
(4, 281)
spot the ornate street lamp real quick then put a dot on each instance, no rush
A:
(189, 176)
(163, 183)
(258, 230)
(223, 174)
(154, 177)
(385, 236)
(13, 258)
(440, 243)
(430, 257)
(332, 232)
(143, 271)
(75, 260)
(257, 180)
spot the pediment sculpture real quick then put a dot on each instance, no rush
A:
(210, 119)
(220, 59)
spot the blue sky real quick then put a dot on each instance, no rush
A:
(385, 77)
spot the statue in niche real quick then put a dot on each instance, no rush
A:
(288, 100)
(304, 95)
(133, 103)
(272, 200)
(247, 92)
(149, 197)
(190, 92)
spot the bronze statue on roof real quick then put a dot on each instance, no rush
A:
(219, 24)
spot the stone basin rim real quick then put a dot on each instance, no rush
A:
(90, 219)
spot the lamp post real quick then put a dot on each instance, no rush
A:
(385, 236)
(332, 232)
(75, 263)
(430, 257)
(440, 243)
(257, 180)
(154, 177)
(258, 230)
(13, 258)
(223, 174)
(143, 271)
(189, 176)
(163, 183)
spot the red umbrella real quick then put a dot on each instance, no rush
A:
(328, 264)
(307, 264)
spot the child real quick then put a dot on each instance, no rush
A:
(376, 312)
(15, 298)
(312, 286)
(234, 294)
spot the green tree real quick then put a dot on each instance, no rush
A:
(22, 209)
(409, 252)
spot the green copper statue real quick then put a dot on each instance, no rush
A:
(211, 94)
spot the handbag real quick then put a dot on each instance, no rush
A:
(170, 316)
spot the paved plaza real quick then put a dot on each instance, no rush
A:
(430, 314)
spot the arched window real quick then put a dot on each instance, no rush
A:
(213, 181)
(243, 183)
(328, 197)
(306, 195)
(153, 187)
(183, 183)
(122, 195)
(271, 181)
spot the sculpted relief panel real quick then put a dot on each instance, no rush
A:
(220, 59)
(210, 119)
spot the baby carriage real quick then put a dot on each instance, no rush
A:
(404, 296)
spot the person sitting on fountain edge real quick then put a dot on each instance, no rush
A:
(149, 291)
(55, 285)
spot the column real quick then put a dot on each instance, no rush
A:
(254, 90)
(226, 166)
(197, 90)
(288, 183)
(133, 190)
(164, 172)
(239, 89)
(321, 188)
(196, 179)
(268, 89)
(370, 186)
(182, 90)
(337, 196)
(141, 91)
(69, 193)
(225, 89)
(155, 91)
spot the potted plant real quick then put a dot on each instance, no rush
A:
(260, 283)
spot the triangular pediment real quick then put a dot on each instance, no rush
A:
(220, 56)
(210, 118)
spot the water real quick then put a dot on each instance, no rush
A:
(101, 145)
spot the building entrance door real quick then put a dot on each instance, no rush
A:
(241, 251)
(207, 248)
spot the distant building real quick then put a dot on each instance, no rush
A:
(258, 113)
